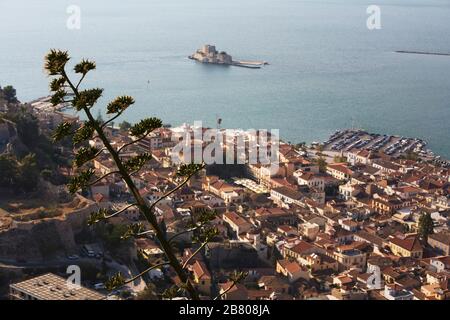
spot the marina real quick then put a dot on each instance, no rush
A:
(350, 140)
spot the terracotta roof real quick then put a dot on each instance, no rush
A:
(344, 279)
(287, 150)
(186, 190)
(259, 294)
(365, 154)
(98, 197)
(445, 260)
(286, 228)
(229, 285)
(387, 164)
(302, 247)
(341, 168)
(200, 270)
(289, 193)
(371, 238)
(158, 153)
(443, 237)
(272, 281)
(235, 218)
(291, 267)
(429, 184)
(281, 182)
(219, 185)
(307, 176)
(270, 211)
(408, 189)
(410, 243)
(145, 243)
(390, 272)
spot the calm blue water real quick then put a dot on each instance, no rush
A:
(327, 69)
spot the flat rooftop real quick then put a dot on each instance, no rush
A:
(52, 287)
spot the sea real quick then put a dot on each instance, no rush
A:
(327, 69)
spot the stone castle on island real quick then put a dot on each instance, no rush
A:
(209, 54)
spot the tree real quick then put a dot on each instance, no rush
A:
(274, 255)
(28, 173)
(163, 227)
(148, 293)
(27, 130)
(99, 117)
(301, 146)
(322, 163)
(126, 294)
(125, 126)
(66, 90)
(111, 234)
(339, 158)
(8, 169)
(19, 175)
(426, 226)
(9, 94)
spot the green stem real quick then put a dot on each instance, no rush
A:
(140, 202)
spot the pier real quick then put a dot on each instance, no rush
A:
(249, 64)
(424, 52)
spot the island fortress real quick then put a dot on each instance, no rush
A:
(209, 54)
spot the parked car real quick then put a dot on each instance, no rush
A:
(87, 249)
(99, 286)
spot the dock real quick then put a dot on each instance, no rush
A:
(424, 52)
(249, 64)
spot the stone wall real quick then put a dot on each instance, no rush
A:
(36, 240)
(227, 255)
